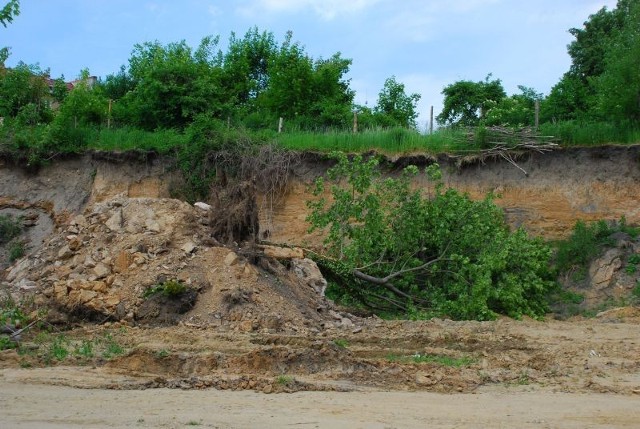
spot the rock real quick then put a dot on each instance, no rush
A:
(202, 206)
(307, 271)
(101, 270)
(283, 252)
(75, 244)
(19, 270)
(246, 326)
(188, 247)
(346, 323)
(65, 252)
(122, 262)
(427, 379)
(267, 389)
(116, 221)
(25, 284)
(231, 259)
(80, 221)
(152, 225)
(603, 269)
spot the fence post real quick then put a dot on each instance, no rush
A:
(280, 122)
(431, 121)
(109, 115)
(537, 107)
(355, 122)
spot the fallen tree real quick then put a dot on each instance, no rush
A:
(391, 249)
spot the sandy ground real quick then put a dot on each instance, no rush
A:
(26, 405)
(524, 374)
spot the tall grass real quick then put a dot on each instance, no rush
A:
(394, 140)
(576, 133)
(124, 139)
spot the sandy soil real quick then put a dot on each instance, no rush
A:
(524, 374)
(25, 405)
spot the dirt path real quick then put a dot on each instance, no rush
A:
(521, 374)
(25, 405)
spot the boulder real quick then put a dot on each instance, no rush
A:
(307, 271)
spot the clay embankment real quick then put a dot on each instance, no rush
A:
(558, 189)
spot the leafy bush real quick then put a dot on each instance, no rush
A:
(16, 250)
(10, 228)
(586, 243)
(170, 288)
(396, 251)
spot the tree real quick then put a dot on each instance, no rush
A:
(467, 102)
(618, 86)
(7, 14)
(393, 250)
(24, 87)
(168, 86)
(246, 67)
(396, 105)
(515, 111)
(577, 96)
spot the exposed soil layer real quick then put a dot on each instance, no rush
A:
(104, 233)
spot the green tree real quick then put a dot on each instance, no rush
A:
(396, 105)
(394, 250)
(246, 68)
(167, 86)
(467, 102)
(516, 111)
(7, 14)
(24, 89)
(618, 85)
(576, 95)
(83, 105)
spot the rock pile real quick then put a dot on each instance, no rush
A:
(106, 264)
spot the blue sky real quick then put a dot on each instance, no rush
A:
(425, 44)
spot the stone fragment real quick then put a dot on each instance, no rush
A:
(602, 269)
(202, 206)
(189, 247)
(101, 270)
(122, 262)
(283, 252)
(116, 221)
(231, 259)
(65, 253)
(307, 271)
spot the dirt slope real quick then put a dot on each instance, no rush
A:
(256, 322)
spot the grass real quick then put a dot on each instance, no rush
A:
(442, 360)
(10, 227)
(341, 342)
(170, 288)
(394, 140)
(283, 380)
(576, 133)
(125, 139)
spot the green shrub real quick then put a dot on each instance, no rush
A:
(16, 250)
(448, 255)
(10, 227)
(170, 288)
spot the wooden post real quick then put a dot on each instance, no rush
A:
(355, 122)
(431, 121)
(537, 107)
(109, 115)
(280, 123)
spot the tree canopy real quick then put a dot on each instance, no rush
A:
(467, 102)
(394, 250)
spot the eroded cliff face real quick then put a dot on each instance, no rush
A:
(557, 189)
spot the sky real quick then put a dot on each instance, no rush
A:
(424, 44)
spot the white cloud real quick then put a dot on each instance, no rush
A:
(325, 9)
